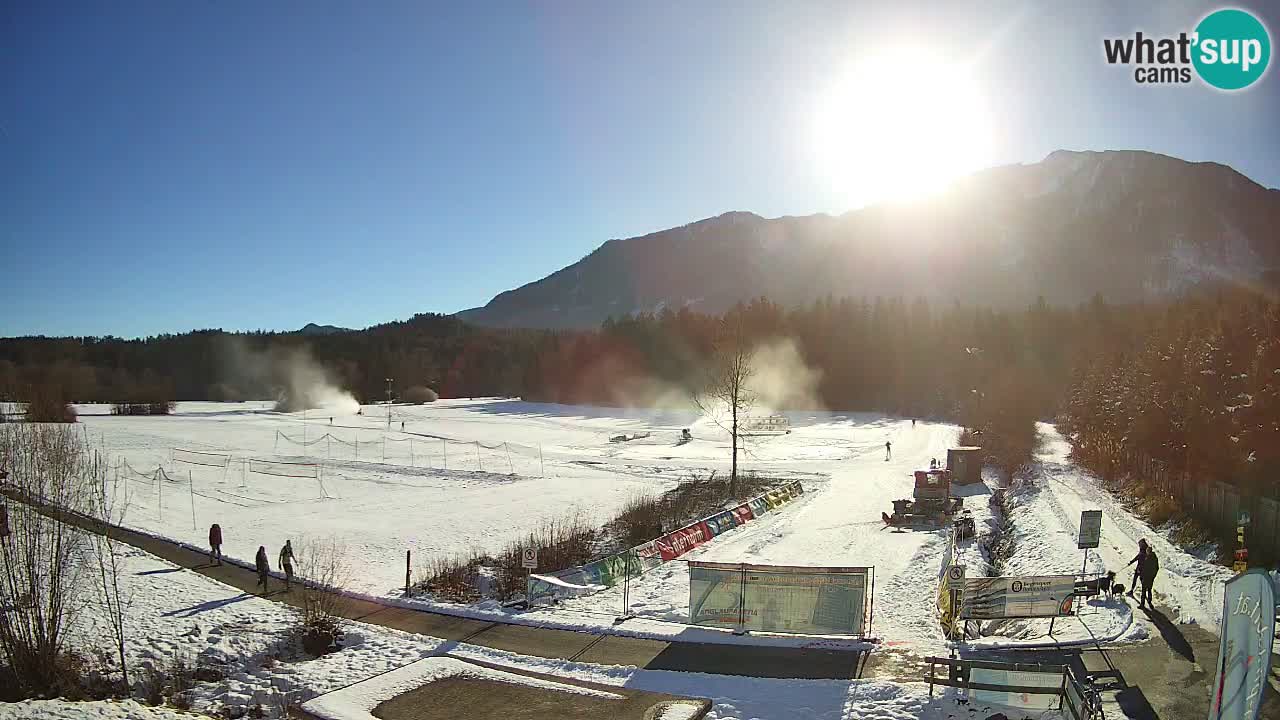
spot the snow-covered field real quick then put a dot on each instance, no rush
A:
(475, 474)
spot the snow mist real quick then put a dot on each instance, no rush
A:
(290, 375)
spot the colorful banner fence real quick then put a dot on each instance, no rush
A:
(607, 572)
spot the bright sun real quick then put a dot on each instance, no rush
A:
(900, 124)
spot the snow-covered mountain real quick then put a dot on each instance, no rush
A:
(1129, 225)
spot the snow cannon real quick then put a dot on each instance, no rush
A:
(930, 501)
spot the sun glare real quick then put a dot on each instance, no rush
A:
(899, 125)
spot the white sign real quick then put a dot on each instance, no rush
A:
(1018, 597)
(1090, 529)
(1017, 678)
(529, 558)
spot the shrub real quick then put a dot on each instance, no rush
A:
(322, 566)
(419, 394)
(164, 407)
(45, 404)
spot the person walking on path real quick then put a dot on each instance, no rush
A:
(286, 563)
(264, 568)
(215, 543)
(1138, 561)
(1150, 568)
(888, 451)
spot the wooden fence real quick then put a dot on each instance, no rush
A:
(1217, 505)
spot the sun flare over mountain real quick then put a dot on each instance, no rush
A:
(899, 124)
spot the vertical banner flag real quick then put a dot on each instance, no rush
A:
(1244, 655)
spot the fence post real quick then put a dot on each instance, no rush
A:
(510, 467)
(742, 600)
(406, 572)
(541, 464)
(445, 444)
(478, 460)
(191, 486)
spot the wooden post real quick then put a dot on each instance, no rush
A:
(191, 485)
(406, 572)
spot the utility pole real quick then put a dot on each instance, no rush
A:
(388, 404)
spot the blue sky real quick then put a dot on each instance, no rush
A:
(175, 165)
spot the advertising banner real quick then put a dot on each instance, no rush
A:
(1051, 682)
(678, 542)
(1018, 597)
(722, 522)
(715, 594)
(1090, 529)
(817, 601)
(545, 588)
(779, 598)
(758, 506)
(1244, 655)
(743, 514)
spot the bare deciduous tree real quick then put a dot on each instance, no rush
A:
(115, 600)
(725, 389)
(41, 569)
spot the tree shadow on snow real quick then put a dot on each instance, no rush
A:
(206, 606)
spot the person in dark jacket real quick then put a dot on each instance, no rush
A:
(286, 563)
(888, 450)
(1138, 561)
(215, 543)
(1150, 568)
(264, 568)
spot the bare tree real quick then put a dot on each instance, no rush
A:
(724, 391)
(41, 582)
(115, 600)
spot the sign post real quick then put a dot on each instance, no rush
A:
(528, 561)
(1241, 563)
(1090, 534)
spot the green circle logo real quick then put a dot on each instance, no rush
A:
(1232, 49)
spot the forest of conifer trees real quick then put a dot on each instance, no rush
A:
(1193, 383)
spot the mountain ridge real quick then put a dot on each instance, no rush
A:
(1129, 225)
